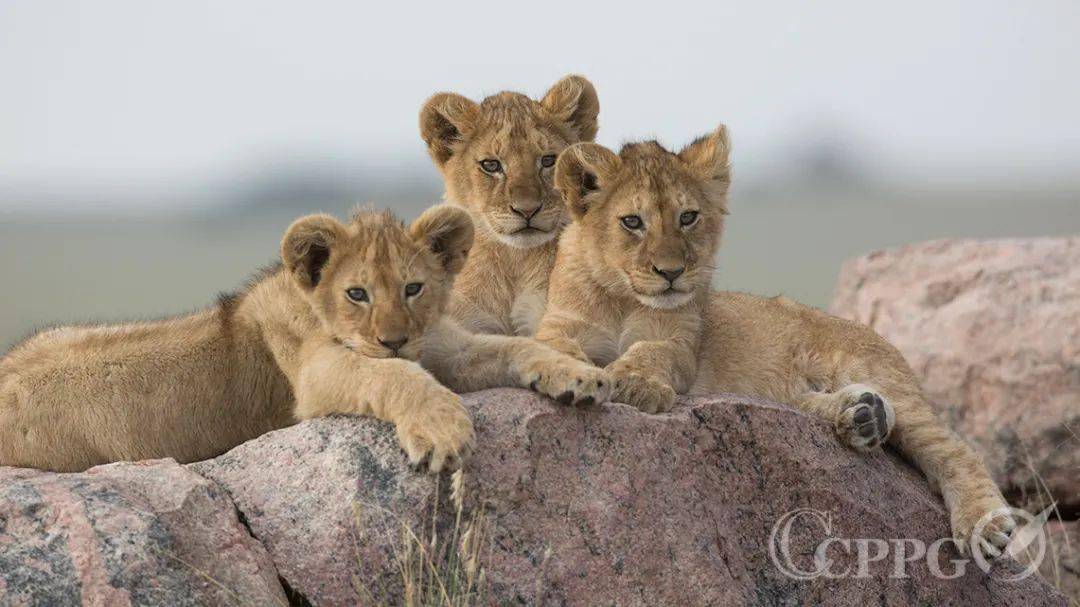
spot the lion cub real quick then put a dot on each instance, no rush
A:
(631, 291)
(336, 329)
(497, 158)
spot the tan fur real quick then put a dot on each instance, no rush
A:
(609, 304)
(502, 288)
(291, 347)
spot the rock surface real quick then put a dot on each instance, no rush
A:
(993, 329)
(607, 506)
(151, 533)
(325, 497)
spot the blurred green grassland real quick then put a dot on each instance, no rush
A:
(67, 269)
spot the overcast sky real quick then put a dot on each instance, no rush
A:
(137, 94)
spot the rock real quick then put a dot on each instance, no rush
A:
(993, 330)
(150, 533)
(325, 497)
(606, 506)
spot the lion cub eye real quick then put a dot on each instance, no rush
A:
(688, 218)
(547, 161)
(356, 295)
(413, 288)
(490, 165)
(632, 222)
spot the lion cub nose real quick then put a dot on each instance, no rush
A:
(393, 344)
(527, 210)
(670, 275)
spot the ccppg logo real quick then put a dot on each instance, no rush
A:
(837, 557)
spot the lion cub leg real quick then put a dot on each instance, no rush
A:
(567, 380)
(659, 363)
(651, 372)
(468, 362)
(431, 422)
(863, 419)
(640, 388)
(977, 511)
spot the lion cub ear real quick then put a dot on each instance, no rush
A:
(446, 120)
(573, 101)
(708, 157)
(305, 249)
(581, 170)
(448, 231)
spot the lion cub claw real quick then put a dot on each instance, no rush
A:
(642, 392)
(866, 420)
(439, 433)
(569, 381)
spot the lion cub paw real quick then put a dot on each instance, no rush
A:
(569, 381)
(985, 525)
(866, 419)
(643, 392)
(439, 431)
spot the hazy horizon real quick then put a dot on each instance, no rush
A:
(152, 153)
(138, 106)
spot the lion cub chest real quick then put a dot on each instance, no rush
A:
(502, 291)
(500, 313)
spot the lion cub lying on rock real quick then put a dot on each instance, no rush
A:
(335, 330)
(631, 290)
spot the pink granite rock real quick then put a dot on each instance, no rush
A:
(633, 509)
(150, 533)
(325, 498)
(993, 329)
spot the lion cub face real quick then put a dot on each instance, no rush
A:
(377, 285)
(650, 219)
(498, 156)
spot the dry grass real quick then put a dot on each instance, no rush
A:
(440, 568)
(1058, 545)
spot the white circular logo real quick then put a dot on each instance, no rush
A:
(1028, 539)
